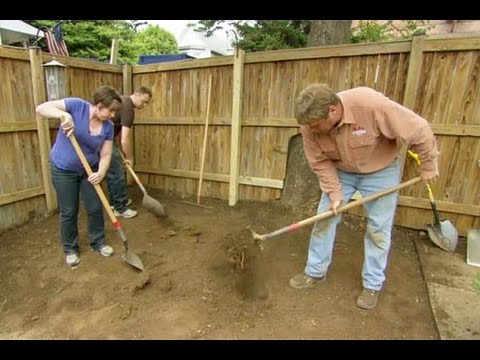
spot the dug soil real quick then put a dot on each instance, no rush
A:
(204, 278)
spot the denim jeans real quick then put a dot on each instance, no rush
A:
(69, 185)
(380, 215)
(117, 186)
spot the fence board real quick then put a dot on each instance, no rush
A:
(168, 132)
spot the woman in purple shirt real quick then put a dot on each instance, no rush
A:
(93, 130)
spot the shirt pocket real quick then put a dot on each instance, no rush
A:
(329, 149)
(362, 146)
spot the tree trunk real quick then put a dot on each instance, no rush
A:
(329, 32)
(301, 191)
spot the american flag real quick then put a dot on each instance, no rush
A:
(55, 42)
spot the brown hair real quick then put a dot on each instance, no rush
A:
(107, 96)
(314, 102)
(144, 90)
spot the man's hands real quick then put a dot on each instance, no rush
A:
(128, 162)
(335, 205)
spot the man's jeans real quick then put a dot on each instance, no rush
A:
(380, 215)
(69, 185)
(117, 186)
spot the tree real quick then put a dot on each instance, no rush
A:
(261, 35)
(375, 30)
(93, 39)
(154, 40)
(329, 32)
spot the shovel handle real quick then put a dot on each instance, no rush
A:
(327, 214)
(134, 175)
(97, 187)
(429, 189)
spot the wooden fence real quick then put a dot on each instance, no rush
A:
(251, 119)
(25, 139)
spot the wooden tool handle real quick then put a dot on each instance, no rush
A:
(204, 147)
(97, 187)
(129, 168)
(134, 175)
(329, 213)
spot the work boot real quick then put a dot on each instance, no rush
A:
(303, 281)
(367, 299)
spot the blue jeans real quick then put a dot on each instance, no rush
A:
(117, 186)
(69, 185)
(380, 215)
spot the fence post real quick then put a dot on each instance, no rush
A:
(43, 132)
(411, 87)
(236, 132)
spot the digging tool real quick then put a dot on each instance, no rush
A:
(473, 247)
(128, 256)
(204, 149)
(148, 202)
(330, 213)
(442, 233)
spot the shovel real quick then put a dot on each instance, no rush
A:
(148, 203)
(128, 256)
(330, 213)
(442, 233)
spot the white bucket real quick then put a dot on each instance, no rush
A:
(473, 247)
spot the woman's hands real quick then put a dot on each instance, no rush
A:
(67, 124)
(96, 177)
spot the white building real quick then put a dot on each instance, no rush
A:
(194, 43)
(17, 32)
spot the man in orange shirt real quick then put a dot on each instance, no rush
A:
(350, 140)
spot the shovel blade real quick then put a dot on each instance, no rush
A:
(133, 260)
(444, 235)
(154, 206)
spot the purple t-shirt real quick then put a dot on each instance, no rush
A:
(63, 155)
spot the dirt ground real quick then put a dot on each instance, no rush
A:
(204, 278)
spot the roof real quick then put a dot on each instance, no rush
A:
(195, 43)
(12, 31)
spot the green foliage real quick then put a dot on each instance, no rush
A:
(262, 35)
(373, 31)
(153, 41)
(369, 31)
(93, 39)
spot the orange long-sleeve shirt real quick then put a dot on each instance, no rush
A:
(365, 141)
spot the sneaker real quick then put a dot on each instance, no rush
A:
(106, 251)
(129, 201)
(303, 281)
(129, 213)
(72, 260)
(368, 299)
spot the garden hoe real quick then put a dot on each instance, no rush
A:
(442, 233)
(128, 256)
(148, 203)
(325, 215)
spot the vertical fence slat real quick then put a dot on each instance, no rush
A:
(411, 86)
(39, 96)
(238, 67)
